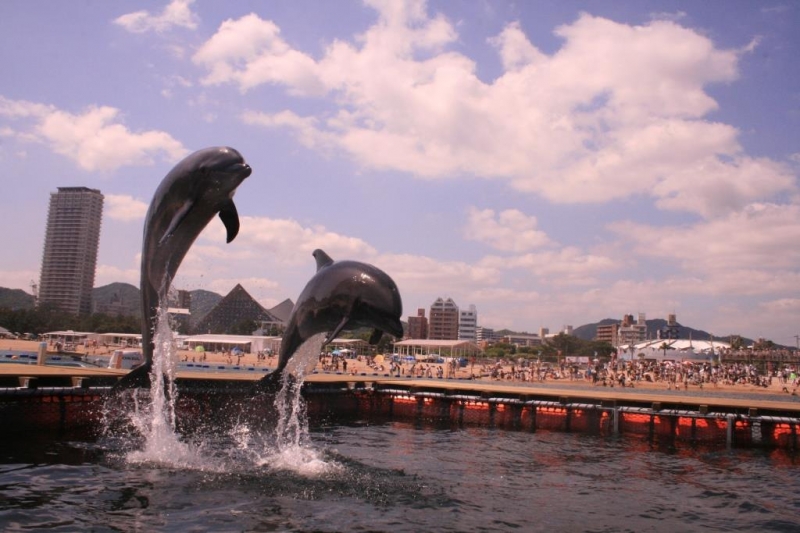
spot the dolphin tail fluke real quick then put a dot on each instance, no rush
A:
(139, 377)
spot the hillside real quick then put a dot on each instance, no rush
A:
(15, 299)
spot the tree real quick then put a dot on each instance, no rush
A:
(244, 327)
(737, 343)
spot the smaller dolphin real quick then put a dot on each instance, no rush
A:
(341, 295)
(190, 195)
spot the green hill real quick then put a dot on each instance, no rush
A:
(15, 299)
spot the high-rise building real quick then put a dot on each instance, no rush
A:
(443, 321)
(418, 326)
(70, 249)
(467, 324)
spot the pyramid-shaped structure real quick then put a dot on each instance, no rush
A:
(234, 308)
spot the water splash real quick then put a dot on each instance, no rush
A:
(289, 448)
(154, 416)
(293, 449)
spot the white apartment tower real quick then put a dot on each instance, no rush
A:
(70, 249)
(468, 324)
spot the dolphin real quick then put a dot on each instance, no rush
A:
(342, 295)
(196, 189)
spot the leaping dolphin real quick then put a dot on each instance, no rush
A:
(195, 190)
(341, 295)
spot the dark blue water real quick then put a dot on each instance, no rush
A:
(397, 477)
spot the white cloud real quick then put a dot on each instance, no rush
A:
(95, 139)
(510, 230)
(617, 111)
(564, 267)
(289, 243)
(106, 274)
(176, 13)
(249, 51)
(760, 237)
(19, 279)
(124, 207)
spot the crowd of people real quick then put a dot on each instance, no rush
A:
(673, 375)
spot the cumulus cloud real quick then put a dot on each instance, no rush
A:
(124, 207)
(757, 238)
(566, 266)
(106, 274)
(177, 13)
(510, 230)
(619, 110)
(95, 139)
(288, 242)
(250, 51)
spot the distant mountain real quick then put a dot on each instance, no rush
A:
(15, 299)
(121, 299)
(202, 302)
(588, 332)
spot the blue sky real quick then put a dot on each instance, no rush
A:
(552, 163)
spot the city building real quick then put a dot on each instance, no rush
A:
(483, 334)
(443, 321)
(71, 240)
(417, 326)
(622, 333)
(468, 324)
(631, 332)
(523, 340)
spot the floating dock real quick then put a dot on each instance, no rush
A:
(34, 397)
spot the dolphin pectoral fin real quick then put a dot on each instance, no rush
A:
(176, 220)
(332, 335)
(376, 336)
(230, 217)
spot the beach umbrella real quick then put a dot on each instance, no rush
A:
(199, 349)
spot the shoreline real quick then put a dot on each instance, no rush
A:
(360, 368)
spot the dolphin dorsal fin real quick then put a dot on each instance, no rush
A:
(323, 259)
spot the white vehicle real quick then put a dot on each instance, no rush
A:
(126, 359)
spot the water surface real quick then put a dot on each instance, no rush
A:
(396, 477)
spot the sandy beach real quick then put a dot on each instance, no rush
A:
(357, 367)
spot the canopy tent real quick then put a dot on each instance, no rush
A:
(430, 347)
(220, 343)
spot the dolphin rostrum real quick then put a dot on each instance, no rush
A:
(196, 189)
(342, 295)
